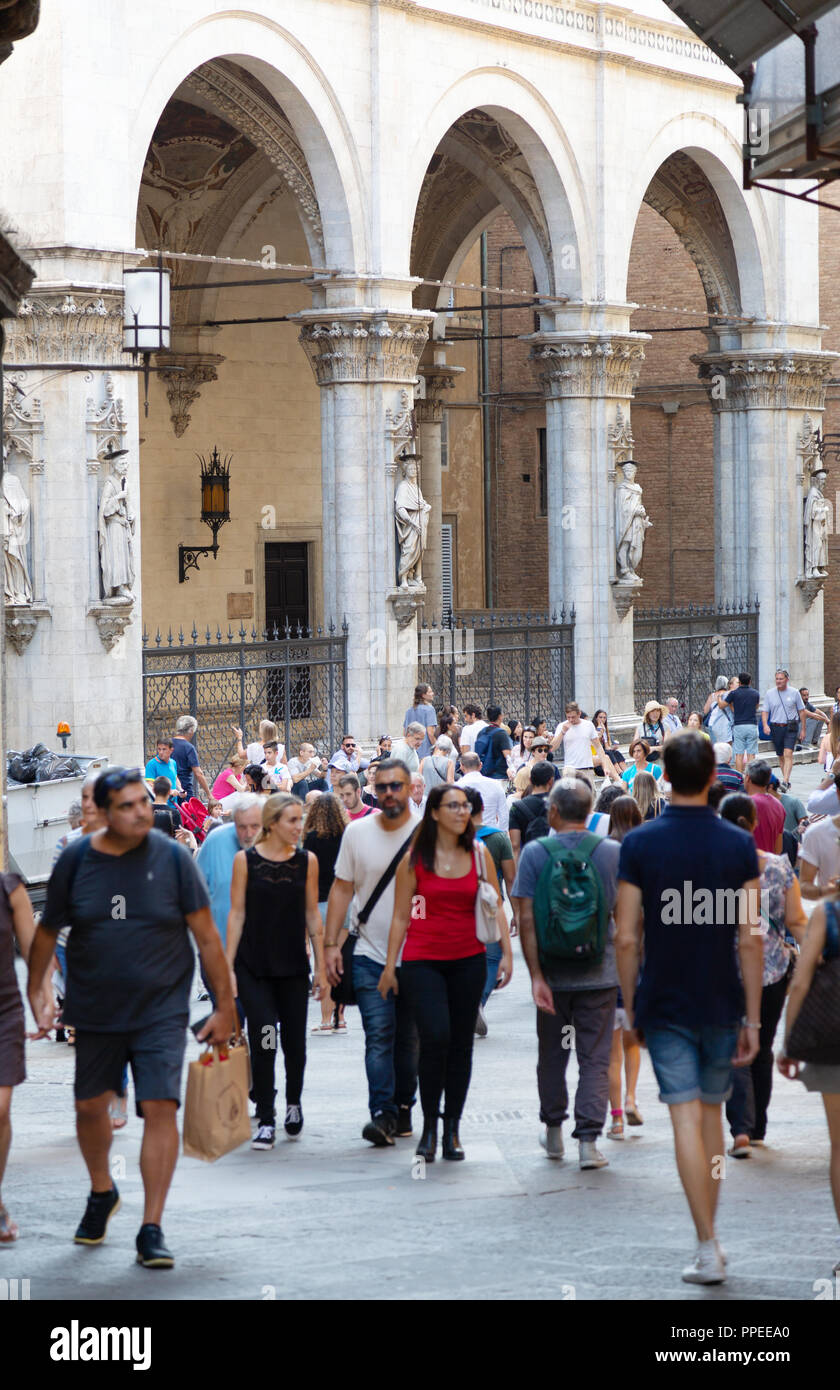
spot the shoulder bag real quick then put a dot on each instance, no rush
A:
(815, 1035)
(343, 992)
(486, 904)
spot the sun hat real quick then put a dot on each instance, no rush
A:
(652, 705)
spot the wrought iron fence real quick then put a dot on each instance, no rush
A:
(681, 651)
(524, 662)
(297, 677)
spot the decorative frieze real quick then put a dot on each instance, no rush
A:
(183, 375)
(63, 326)
(590, 365)
(364, 345)
(776, 380)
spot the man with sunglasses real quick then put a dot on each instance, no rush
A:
(345, 759)
(364, 874)
(130, 895)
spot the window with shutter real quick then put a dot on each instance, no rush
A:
(446, 567)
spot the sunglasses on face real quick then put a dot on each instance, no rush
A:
(389, 786)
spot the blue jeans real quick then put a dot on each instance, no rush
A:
(494, 955)
(692, 1063)
(392, 1047)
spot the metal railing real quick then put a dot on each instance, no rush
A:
(524, 662)
(681, 651)
(296, 677)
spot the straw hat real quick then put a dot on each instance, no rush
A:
(651, 706)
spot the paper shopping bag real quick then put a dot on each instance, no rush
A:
(216, 1109)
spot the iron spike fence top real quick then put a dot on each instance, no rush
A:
(181, 636)
(229, 634)
(207, 637)
(169, 638)
(242, 633)
(144, 639)
(158, 638)
(194, 634)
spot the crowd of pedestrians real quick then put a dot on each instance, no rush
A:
(396, 880)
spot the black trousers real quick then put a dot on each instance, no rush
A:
(267, 1001)
(746, 1109)
(444, 996)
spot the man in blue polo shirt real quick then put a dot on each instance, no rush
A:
(680, 907)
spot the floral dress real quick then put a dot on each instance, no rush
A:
(776, 879)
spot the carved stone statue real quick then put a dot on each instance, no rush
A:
(412, 514)
(817, 527)
(116, 536)
(631, 522)
(17, 587)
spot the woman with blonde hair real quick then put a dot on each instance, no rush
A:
(231, 778)
(273, 904)
(255, 752)
(646, 792)
(326, 822)
(830, 743)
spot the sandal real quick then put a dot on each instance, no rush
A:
(633, 1116)
(8, 1228)
(322, 1028)
(616, 1129)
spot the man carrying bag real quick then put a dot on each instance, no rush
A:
(367, 861)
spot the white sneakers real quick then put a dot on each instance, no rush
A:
(591, 1156)
(709, 1266)
(552, 1141)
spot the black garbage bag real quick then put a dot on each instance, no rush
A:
(52, 766)
(23, 767)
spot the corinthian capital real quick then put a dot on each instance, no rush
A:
(589, 364)
(777, 379)
(364, 345)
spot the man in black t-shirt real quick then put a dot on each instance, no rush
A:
(528, 817)
(130, 895)
(744, 702)
(493, 745)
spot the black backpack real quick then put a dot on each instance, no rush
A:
(537, 827)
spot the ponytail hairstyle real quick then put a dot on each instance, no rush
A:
(273, 808)
(740, 809)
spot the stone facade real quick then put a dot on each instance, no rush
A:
(300, 148)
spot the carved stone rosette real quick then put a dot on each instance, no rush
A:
(778, 379)
(364, 345)
(590, 365)
(21, 623)
(183, 387)
(112, 619)
(64, 326)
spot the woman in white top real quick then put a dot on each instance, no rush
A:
(255, 752)
(521, 751)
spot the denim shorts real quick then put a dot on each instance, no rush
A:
(692, 1063)
(745, 739)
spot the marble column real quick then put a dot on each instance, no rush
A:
(365, 361)
(78, 660)
(438, 378)
(767, 401)
(588, 377)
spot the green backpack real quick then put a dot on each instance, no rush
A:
(570, 907)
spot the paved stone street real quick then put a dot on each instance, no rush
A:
(328, 1217)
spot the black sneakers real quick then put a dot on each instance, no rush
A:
(380, 1130)
(151, 1250)
(99, 1210)
(293, 1123)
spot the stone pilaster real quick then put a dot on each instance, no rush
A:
(765, 399)
(438, 379)
(365, 361)
(588, 378)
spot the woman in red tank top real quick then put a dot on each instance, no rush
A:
(443, 962)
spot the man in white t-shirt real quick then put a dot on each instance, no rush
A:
(368, 847)
(783, 720)
(582, 748)
(819, 857)
(473, 724)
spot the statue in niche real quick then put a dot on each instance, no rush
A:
(17, 587)
(817, 527)
(412, 515)
(116, 536)
(631, 522)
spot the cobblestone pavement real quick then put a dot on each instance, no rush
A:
(328, 1217)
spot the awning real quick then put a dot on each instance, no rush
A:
(740, 33)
